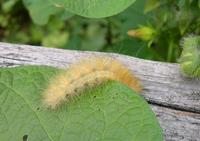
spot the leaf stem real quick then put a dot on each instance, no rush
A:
(170, 51)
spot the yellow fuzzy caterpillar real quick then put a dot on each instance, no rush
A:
(88, 72)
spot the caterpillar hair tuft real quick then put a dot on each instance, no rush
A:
(88, 72)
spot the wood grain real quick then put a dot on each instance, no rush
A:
(174, 98)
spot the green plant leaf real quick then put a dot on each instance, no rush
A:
(41, 10)
(151, 5)
(110, 112)
(7, 6)
(95, 8)
(52, 40)
(199, 3)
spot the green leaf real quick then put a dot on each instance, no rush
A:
(52, 40)
(151, 5)
(95, 8)
(110, 112)
(7, 6)
(199, 3)
(41, 10)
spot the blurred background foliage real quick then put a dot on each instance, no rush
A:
(155, 27)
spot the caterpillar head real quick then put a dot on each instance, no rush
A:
(190, 56)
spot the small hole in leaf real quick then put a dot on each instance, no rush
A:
(85, 26)
(25, 138)
(94, 96)
(67, 96)
(38, 108)
(75, 90)
(86, 85)
(96, 80)
(99, 109)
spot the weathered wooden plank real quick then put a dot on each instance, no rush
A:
(178, 97)
(178, 125)
(163, 83)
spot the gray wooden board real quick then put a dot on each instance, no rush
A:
(174, 98)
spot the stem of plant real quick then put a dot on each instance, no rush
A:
(170, 51)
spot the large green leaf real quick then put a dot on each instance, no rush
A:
(110, 112)
(95, 8)
(40, 10)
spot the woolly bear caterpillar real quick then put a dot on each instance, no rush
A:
(88, 72)
(190, 56)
